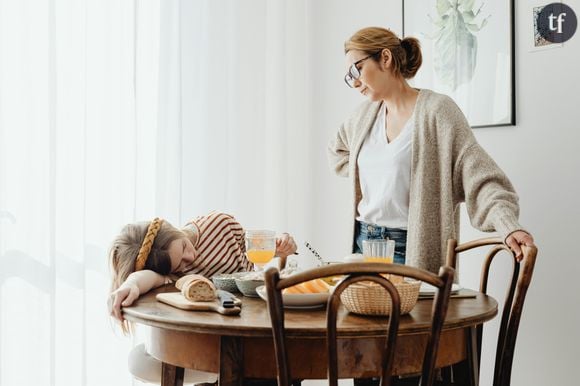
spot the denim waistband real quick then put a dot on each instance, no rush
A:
(365, 231)
(374, 228)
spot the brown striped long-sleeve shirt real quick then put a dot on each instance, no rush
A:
(220, 246)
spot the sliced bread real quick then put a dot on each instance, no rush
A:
(196, 288)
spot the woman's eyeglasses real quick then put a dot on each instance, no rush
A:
(354, 72)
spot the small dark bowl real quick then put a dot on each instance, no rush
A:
(248, 286)
(226, 281)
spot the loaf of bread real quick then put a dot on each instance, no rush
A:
(196, 288)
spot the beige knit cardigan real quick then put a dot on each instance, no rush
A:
(448, 167)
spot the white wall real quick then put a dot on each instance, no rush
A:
(334, 101)
(539, 154)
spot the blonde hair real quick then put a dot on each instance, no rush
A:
(406, 53)
(125, 248)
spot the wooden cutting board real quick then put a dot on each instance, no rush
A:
(176, 299)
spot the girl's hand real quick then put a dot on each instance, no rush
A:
(516, 239)
(285, 245)
(123, 297)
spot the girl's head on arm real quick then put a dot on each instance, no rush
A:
(125, 249)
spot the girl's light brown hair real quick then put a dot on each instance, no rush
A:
(125, 249)
(406, 53)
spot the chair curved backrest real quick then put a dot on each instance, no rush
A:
(514, 300)
(357, 272)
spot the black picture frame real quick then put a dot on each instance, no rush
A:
(472, 60)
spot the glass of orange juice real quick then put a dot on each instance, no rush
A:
(378, 251)
(260, 247)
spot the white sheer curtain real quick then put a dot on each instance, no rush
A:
(242, 80)
(115, 111)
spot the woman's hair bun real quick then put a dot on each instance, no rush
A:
(413, 55)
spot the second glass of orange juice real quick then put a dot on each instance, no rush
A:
(260, 247)
(378, 251)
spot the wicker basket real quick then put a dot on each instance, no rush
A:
(368, 298)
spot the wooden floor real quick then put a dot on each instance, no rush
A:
(317, 382)
(324, 382)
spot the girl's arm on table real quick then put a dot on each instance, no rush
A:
(136, 284)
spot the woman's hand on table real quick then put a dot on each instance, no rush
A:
(516, 239)
(122, 297)
(285, 245)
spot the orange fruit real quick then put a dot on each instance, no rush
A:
(308, 287)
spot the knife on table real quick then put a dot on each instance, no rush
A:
(227, 300)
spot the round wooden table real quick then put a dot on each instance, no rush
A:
(238, 347)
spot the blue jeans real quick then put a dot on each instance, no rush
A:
(364, 231)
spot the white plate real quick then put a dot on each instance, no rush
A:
(428, 290)
(298, 301)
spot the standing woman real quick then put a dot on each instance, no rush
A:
(412, 159)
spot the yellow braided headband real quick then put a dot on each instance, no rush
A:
(145, 249)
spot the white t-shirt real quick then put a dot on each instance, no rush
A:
(385, 175)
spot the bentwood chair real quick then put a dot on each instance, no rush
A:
(357, 272)
(512, 309)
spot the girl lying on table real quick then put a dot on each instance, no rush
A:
(150, 254)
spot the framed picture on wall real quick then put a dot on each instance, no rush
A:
(468, 54)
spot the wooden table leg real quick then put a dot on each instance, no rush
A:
(231, 372)
(473, 356)
(467, 372)
(171, 375)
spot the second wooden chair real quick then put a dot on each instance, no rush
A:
(512, 310)
(357, 272)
